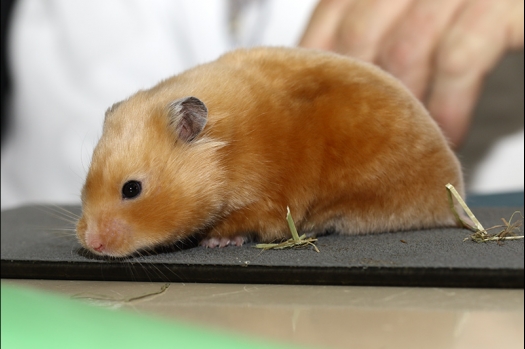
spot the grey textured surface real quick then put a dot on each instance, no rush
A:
(33, 233)
(33, 241)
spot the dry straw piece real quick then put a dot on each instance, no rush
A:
(480, 233)
(295, 242)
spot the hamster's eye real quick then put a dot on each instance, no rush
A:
(131, 189)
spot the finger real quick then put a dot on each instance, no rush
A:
(408, 50)
(516, 25)
(320, 31)
(452, 109)
(365, 24)
(467, 52)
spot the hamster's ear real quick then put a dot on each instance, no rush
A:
(188, 116)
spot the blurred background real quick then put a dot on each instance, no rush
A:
(67, 61)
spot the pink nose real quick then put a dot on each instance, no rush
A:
(95, 244)
(99, 248)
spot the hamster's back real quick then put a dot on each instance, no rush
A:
(343, 143)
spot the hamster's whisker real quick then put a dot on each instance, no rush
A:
(66, 212)
(63, 232)
(130, 268)
(152, 252)
(60, 213)
(62, 210)
(160, 273)
(139, 254)
(53, 232)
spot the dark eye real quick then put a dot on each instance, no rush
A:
(131, 189)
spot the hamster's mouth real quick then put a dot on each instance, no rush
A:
(181, 244)
(93, 255)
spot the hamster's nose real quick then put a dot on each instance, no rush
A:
(99, 248)
(95, 243)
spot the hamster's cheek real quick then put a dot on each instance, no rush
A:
(81, 230)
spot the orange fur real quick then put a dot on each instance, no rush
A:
(342, 143)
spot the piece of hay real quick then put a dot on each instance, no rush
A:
(480, 233)
(295, 242)
(508, 233)
(452, 191)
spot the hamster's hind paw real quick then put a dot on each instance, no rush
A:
(222, 242)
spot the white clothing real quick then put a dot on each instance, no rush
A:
(72, 59)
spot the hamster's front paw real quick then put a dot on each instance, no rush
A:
(213, 242)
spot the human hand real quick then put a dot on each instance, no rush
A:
(441, 50)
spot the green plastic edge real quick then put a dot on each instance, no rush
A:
(37, 319)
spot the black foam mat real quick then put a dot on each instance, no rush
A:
(33, 245)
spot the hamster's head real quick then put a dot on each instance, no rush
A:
(155, 177)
